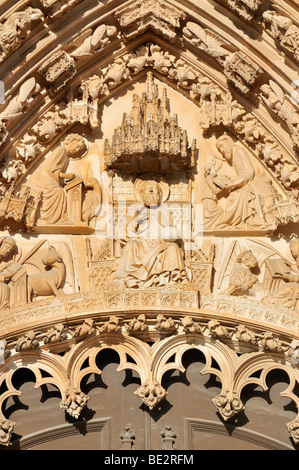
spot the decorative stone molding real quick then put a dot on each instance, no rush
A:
(6, 430)
(16, 29)
(73, 402)
(228, 404)
(158, 16)
(58, 70)
(235, 370)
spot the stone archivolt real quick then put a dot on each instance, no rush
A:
(216, 283)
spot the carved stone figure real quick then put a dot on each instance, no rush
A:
(6, 430)
(90, 42)
(246, 9)
(242, 192)
(8, 268)
(127, 438)
(16, 29)
(288, 294)
(149, 258)
(215, 186)
(283, 29)
(50, 281)
(156, 15)
(58, 70)
(48, 179)
(169, 437)
(20, 103)
(242, 278)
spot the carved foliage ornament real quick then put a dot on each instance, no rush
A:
(234, 370)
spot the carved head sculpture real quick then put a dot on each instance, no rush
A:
(151, 183)
(225, 146)
(51, 257)
(34, 13)
(247, 258)
(151, 193)
(75, 144)
(294, 247)
(7, 247)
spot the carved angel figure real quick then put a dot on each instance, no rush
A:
(284, 30)
(207, 41)
(9, 267)
(16, 29)
(288, 293)
(89, 42)
(21, 101)
(274, 97)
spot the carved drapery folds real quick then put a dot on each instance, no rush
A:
(149, 192)
(235, 371)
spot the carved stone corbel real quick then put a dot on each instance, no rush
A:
(168, 436)
(228, 404)
(151, 393)
(74, 401)
(111, 326)
(137, 324)
(165, 324)
(189, 325)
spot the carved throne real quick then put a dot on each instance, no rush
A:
(150, 145)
